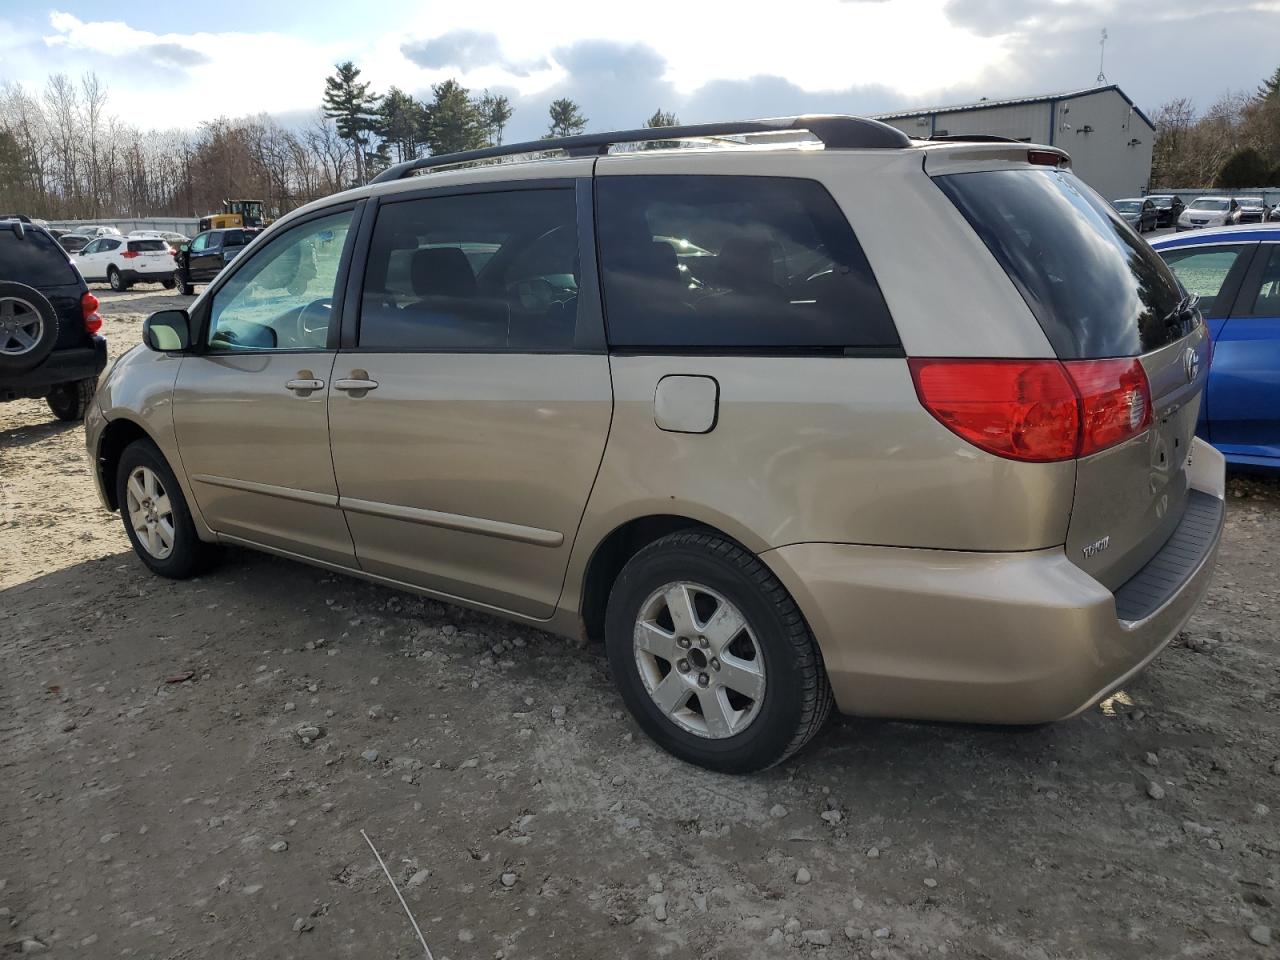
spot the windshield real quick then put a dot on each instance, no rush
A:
(1203, 204)
(1164, 203)
(1127, 206)
(1249, 201)
(1096, 288)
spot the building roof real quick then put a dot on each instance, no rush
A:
(1015, 101)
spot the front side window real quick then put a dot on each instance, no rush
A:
(711, 262)
(93, 246)
(473, 272)
(1264, 299)
(282, 297)
(1202, 272)
(199, 243)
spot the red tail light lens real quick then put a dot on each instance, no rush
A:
(1044, 158)
(1037, 411)
(1019, 409)
(89, 310)
(1115, 401)
(129, 254)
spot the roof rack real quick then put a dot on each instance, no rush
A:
(836, 133)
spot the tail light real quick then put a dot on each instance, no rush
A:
(89, 310)
(1037, 411)
(1045, 158)
(129, 254)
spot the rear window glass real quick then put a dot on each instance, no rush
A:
(734, 263)
(1096, 288)
(235, 238)
(36, 260)
(147, 246)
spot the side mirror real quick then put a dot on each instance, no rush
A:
(168, 331)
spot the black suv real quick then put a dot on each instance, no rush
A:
(49, 323)
(200, 260)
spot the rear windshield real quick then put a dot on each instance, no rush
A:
(1096, 288)
(147, 246)
(36, 260)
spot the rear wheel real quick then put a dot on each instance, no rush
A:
(69, 401)
(155, 514)
(117, 282)
(712, 656)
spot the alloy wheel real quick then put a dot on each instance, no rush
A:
(20, 326)
(699, 660)
(150, 512)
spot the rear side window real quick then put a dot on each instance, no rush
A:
(709, 262)
(147, 246)
(1264, 299)
(235, 238)
(473, 272)
(1096, 288)
(36, 259)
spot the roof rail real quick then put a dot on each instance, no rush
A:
(836, 133)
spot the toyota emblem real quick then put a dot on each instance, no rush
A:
(1191, 363)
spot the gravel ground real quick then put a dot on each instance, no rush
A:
(157, 801)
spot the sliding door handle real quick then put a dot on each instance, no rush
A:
(357, 385)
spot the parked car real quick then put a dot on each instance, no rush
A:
(1168, 208)
(168, 236)
(49, 323)
(1139, 212)
(780, 479)
(1236, 275)
(91, 232)
(73, 242)
(1252, 210)
(204, 257)
(1209, 212)
(124, 261)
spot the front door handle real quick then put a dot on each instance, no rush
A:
(304, 384)
(357, 385)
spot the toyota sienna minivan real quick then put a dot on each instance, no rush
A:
(912, 433)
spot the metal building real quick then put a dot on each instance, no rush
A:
(1108, 137)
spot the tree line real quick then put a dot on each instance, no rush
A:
(1234, 144)
(64, 155)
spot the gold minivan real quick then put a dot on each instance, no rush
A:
(812, 413)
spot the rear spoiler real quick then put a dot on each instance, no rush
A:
(963, 154)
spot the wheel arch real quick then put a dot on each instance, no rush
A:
(116, 436)
(613, 551)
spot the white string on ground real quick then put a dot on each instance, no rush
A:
(408, 912)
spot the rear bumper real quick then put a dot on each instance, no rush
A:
(995, 638)
(147, 276)
(61, 366)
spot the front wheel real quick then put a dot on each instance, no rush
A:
(155, 514)
(712, 656)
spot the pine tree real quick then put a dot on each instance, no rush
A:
(566, 118)
(400, 123)
(495, 111)
(662, 118)
(1270, 89)
(454, 121)
(349, 102)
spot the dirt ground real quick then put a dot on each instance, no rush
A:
(523, 813)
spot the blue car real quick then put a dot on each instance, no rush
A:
(1236, 273)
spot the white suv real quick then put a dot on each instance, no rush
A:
(124, 261)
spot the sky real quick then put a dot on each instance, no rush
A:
(176, 64)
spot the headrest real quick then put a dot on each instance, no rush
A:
(745, 264)
(442, 272)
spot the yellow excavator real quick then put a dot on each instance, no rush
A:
(235, 213)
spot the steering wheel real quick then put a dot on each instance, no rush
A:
(535, 294)
(313, 320)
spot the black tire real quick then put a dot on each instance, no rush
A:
(797, 695)
(116, 281)
(168, 284)
(69, 401)
(184, 288)
(25, 312)
(189, 554)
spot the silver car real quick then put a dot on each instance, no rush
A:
(912, 434)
